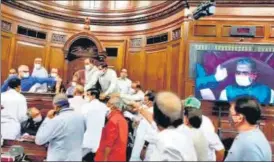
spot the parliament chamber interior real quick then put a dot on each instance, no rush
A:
(215, 56)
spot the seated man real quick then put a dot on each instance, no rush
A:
(12, 72)
(28, 81)
(31, 126)
(58, 87)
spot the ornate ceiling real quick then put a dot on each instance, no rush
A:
(117, 12)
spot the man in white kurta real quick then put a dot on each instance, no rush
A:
(170, 144)
(91, 74)
(77, 101)
(95, 113)
(14, 110)
(40, 72)
(124, 84)
(107, 80)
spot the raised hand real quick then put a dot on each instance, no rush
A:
(221, 73)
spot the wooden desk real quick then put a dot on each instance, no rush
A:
(42, 101)
(33, 152)
(266, 123)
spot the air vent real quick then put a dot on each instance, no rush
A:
(157, 39)
(32, 33)
(112, 52)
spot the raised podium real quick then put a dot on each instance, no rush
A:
(42, 101)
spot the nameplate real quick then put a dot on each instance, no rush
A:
(243, 31)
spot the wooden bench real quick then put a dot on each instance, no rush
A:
(32, 151)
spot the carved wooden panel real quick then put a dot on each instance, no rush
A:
(5, 53)
(26, 52)
(155, 69)
(174, 76)
(272, 31)
(176, 34)
(5, 26)
(134, 70)
(205, 30)
(57, 60)
(259, 31)
(136, 42)
(58, 38)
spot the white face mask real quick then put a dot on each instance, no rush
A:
(10, 75)
(73, 84)
(101, 72)
(243, 80)
(37, 66)
(87, 67)
(37, 119)
(54, 75)
(26, 74)
(87, 99)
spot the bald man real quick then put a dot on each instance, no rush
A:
(124, 84)
(28, 81)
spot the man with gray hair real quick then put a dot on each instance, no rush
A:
(64, 130)
(114, 138)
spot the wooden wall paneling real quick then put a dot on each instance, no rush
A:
(205, 30)
(135, 71)
(26, 51)
(155, 63)
(260, 31)
(272, 31)
(117, 62)
(174, 55)
(57, 60)
(6, 48)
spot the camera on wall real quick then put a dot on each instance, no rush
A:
(204, 9)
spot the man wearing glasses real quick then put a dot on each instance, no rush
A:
(246, 84)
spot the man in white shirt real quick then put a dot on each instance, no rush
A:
(143, 128)
(124, 84)
(107, 80)
(14, 110)
(95, 113)
(215, 146)
(170, 144)
(91, 74)
(77, 101)
(136, 96)
(40, 72)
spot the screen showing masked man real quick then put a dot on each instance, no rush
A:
(246, 84)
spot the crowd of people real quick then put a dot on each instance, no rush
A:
(111, 118)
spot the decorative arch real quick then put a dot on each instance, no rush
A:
(79, 35)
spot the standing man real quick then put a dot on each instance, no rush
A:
(64, 130)
(107, 80)
(57, 88)
(171, 145)
(250, 144)
(73, 84)
(40, 72)
(77, 101)
(113, 143)
(14, 110)
(28, 81)
(137, 94)
(124, 84)
(91, 74)
(215, 146)
(95, 114)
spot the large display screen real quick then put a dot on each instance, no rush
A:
(227, 75)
